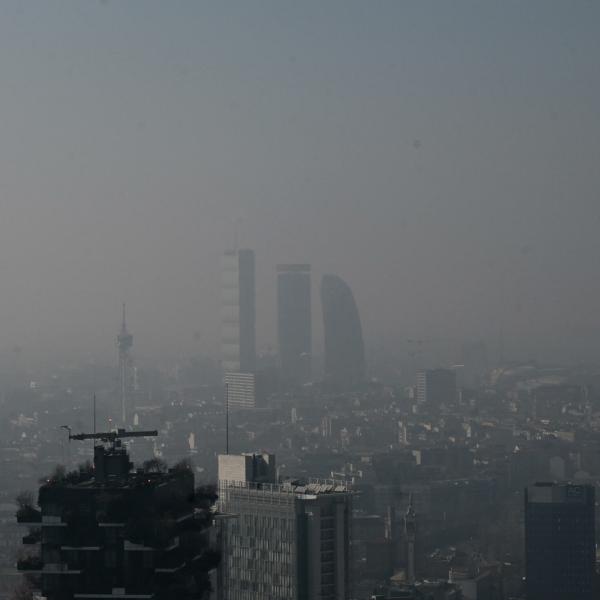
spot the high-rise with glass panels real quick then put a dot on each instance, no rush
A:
(344, 348)
(285, 541)
(436, 387)
(560, 547)
(294, 322)
(238, 312)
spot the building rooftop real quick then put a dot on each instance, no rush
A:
(314, 487)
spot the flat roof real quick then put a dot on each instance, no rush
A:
(293, 268)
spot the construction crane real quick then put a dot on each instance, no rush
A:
(109, 437)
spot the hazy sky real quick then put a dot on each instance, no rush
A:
(442, 157)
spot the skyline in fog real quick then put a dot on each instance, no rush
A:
(440, 157)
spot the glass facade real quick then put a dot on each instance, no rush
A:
(238, 310)
(344, 348)
(294, 322)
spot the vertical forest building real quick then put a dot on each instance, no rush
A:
(112, 531)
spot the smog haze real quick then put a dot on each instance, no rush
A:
(441, 157)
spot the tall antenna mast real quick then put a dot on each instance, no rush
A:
(227, 418)
(124, 344)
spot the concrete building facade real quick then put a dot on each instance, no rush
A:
(286, 541)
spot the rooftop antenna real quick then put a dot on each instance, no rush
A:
(67, 458)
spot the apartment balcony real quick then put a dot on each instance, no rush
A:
(30, 563)
(29, 516)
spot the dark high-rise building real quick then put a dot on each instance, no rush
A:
(294, 322)
(560, 547)
(112, 531)
(475, 363)
(344, 348)
(238, 314)
(436, 387)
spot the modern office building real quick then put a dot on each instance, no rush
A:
(560, 547)
(550, 400)
(284, 541)
(474, 363)
(294, 322)
(240, 389)
(113, 531)
(344, 347)
(436, 387)
(238, 312)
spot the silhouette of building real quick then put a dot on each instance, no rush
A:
(238, 312)
(474, 357)
(294, 322)
(436, 387)
(289, 540)
(126, 372)
(112, 531)
(344, 348)
(560, 547)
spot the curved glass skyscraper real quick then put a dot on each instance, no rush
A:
(344, 348)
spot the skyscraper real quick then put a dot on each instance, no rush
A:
(436, 387)
(560, 547)
(294, 322)
(126, 373)
(286, 541)
(475, 363)
(344, 348)
(238, 313)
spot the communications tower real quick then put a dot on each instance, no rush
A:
(410, 531)
(124, 344)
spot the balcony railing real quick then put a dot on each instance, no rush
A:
(28, 514)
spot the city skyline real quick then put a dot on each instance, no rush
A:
(358, 246)
(410, 139)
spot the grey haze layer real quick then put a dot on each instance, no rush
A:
(440, 156)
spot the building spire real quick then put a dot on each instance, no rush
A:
(124, 344)
(410, 532)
